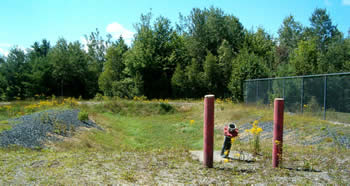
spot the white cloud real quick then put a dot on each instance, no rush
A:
(84, 42)
(346, 2)
(25, 50)
(4, 52)
(117, 30)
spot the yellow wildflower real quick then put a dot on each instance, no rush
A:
(226, 152)
(226, 160)
(277, 142)
(232, 140)
(218, 100)
(237, 155)
(191, 122)
(253, 130)
(258, 130)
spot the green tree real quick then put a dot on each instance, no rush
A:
(195, 76)
(114, 70)
(39, 76)
(15, 70)
(290, 33)
(78, 84)
(346, 64)
(151, 60)
(334, 58)
(225, 59)
(189, 82)
(261, 44)
(61, 69)
(140, 56)
(323, 29)
(246, 65)
(97, 47)
(179, 53)
(3, 80)
(70, 69)
(96, 51)
(179, 83)
(212, 75)
(305, 58)
(208, 28)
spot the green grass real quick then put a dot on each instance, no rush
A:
(4, 125)
(338, 116)
(156, 127)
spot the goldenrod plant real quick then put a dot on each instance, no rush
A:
(255, 132)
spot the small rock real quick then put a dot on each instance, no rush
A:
(39, 163)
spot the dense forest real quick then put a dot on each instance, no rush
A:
(207, 51)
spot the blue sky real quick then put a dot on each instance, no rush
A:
(22, 22)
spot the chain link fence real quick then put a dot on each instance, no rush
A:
(326, 96)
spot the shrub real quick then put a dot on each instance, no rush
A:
(98, 97)
(165, 108)
(83, 116)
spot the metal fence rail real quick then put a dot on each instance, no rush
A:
(323, 95)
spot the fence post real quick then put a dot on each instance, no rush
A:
(257, 91)
(277, 131)
(268, 92)
(208, 131)
(284, 87)
(325, 98)
(246, 92)
(302, 95)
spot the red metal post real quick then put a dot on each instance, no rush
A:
(208, 132)
(277, 131)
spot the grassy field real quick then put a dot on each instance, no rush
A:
(149, 142)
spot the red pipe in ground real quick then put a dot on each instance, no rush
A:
(208, 131)
(277, 131)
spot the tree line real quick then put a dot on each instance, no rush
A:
(208, 51)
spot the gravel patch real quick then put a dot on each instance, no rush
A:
(336, 136)
(333, 134)
(33, 130)
(267, 132)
